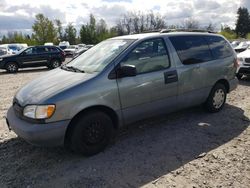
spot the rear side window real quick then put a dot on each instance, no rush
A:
(51, 49)
(41, 50)
(191, 49)
(219, 47)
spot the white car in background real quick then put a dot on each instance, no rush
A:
(235, 43)
(48, 44)
(63, 45)
(244, 64)
(242, 46)
(70, 50)
(4, 50)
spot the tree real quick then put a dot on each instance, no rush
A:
(44, 29)
(88, 31)
(191, 23)
(59, 29)
(70, 33)
(243, 22)
(227, 32)
(138, 22)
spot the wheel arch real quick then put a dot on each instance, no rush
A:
(107, 110)
(225, 83)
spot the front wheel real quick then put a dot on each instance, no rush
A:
(11, 67)
(217, 98)
(91, 133)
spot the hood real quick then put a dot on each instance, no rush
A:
(245, 54)
(48, 85)
(7, 55)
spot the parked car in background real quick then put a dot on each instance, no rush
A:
(244, 64)
(242, 46)
(80, 51)
(81, 45)
(120, 81)
(89, 46)
(4, 50)
(35, 56)
(70, 50)
(234, 44)
(63, 45)
(48, 44)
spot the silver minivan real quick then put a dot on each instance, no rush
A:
(122, 80)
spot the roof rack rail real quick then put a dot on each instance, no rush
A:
(185, 30)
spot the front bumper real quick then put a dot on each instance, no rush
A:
(244, 70)
(2, 65)
(49, 134)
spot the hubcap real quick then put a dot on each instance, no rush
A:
(12, 68)
(94, 133)
(56, 64)
(218, 99)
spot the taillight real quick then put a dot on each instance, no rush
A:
(236, 63)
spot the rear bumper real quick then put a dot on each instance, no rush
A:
(233, 84)
(50, 134)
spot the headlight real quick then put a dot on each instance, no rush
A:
(39, 111)
(1, 59)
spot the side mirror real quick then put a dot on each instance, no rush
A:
(24, 53)
(126, 71)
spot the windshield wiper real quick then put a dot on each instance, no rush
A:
(71, 68)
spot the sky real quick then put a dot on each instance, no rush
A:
(19, 15)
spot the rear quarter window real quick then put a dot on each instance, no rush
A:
(220, 48)
(191, 49)
(51, 49)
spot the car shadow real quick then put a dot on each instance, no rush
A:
(145, 152)
(27, 70)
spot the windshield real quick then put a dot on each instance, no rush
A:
(97, 57)
(20, 51)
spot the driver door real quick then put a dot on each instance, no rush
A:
(154, 89)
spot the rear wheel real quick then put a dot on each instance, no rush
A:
(11, 67)
(217, 98)
(54, 64)
(91, 133)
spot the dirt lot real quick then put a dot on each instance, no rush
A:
(190, 148)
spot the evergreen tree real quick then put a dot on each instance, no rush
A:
(44, 30)
(243, 22)
(70, 33)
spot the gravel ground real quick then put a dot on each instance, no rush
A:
(190, 148)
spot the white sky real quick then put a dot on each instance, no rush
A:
(19, 14)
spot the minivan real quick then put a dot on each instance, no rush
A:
(122, 80)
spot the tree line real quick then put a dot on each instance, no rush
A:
(46, 30)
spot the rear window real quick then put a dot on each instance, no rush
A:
(191, 49)
(220, 47)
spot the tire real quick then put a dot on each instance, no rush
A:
(91, 133)
(11, 67)
(54, 64)
(216, 99)
(239, 76)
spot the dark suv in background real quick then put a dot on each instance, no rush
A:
(36, 56)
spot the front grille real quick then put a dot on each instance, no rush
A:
(247, 60)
